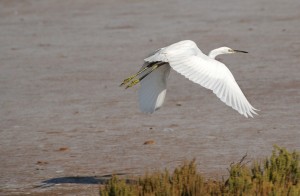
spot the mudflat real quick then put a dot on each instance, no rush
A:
(66, 125)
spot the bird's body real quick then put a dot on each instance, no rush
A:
(187, 59)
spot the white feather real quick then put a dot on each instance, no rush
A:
(153, 89)
(187, 59)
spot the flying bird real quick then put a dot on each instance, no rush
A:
(187, 59)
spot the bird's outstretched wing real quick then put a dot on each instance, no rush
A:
(188, 60)
(153, 89)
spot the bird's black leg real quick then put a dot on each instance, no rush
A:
(138, 73)
(153, 67)
(133, 76)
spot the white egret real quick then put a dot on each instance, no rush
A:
(187, 59)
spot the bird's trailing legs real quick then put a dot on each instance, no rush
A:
(133, 76)
(153, 66)
(134, 82)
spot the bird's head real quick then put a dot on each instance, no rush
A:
(223, 50)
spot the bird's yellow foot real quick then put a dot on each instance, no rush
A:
(127, 80)
(134, 82)
(133, 76)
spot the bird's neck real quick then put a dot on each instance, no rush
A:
(212, 54)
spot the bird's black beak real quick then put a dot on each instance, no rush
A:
(240, 51)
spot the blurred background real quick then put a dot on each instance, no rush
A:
(64, 115)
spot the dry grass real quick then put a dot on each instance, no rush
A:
(277, 175)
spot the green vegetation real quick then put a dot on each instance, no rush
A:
(277, 175)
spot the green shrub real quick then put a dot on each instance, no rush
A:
(277, 175)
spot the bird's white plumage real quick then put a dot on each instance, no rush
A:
(153, 89)
(187, 59)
